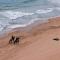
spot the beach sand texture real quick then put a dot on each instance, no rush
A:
(37, 44)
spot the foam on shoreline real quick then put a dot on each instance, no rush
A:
(27, 27)
(23, 27)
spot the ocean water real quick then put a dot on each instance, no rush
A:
(20, 13)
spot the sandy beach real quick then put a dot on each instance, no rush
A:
(35, 44)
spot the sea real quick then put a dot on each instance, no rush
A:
(21, 13)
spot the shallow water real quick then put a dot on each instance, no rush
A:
(20, 13)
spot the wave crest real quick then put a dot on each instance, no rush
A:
(14, 14)
(41, 11)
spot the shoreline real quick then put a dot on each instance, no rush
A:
(28, 27)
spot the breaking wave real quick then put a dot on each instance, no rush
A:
(44, 11)
(14, 14)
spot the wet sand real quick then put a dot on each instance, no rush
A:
(36, 44)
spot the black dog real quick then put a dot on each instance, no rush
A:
(12, 40)
(16, 41)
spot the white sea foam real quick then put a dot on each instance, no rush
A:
(41, 11)
(25, 25)
(18, 25)
(11, 14)
(14, 14)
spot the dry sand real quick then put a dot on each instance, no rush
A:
(37, 44)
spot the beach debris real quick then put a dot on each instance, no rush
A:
(56, 39)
